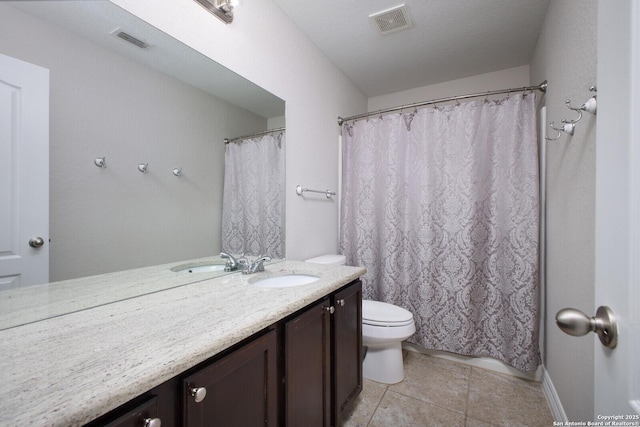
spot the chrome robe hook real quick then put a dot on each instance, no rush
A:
(590, 106)
(567, 127)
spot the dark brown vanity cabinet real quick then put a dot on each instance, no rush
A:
(305, 370)
(323, 359)
(240, 389)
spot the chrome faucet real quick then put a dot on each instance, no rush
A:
(256, 266)
(233, 263)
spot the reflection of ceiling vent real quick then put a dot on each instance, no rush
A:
(129, 38)
(390, 20)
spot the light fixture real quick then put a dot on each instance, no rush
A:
(223, 9)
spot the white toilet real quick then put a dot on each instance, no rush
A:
(384, 327)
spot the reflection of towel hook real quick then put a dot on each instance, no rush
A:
(100, 162)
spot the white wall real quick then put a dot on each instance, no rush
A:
(105, 105)
(264, 46)
(565, 55)
(503, 79)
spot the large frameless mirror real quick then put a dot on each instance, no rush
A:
(153, 111)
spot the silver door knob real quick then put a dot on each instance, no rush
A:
(330, 309)
(36, 242)
(198, 393)
(152, 422)
(576, 323)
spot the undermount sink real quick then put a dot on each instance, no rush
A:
(285, 281)
(203, 268)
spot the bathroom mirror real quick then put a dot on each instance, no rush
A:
(154, 101)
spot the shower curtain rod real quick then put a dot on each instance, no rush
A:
(541, 87)
(229, 140)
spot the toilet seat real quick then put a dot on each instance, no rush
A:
(377, 313)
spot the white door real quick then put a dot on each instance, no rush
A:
(24, 173)
(617, 371)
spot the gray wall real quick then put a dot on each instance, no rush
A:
(105, 105)
(566, 56)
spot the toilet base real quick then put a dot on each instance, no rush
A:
(384, 364)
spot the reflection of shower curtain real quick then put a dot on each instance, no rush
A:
(441, 207)
(253, 199)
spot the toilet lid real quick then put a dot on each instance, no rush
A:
(384, 314)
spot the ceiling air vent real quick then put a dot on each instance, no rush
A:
(390, 20)
(129, 38)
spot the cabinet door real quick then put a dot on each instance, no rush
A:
(308, 368)
(241, 388)
(347, 348)
(143, 415)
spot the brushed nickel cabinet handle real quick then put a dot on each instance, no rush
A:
(198, 393)
(152, 422)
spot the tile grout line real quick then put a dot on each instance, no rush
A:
(466, 401)
(378, 405)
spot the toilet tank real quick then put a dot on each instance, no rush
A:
(329, 259)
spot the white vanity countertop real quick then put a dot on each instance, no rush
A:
(71, 369)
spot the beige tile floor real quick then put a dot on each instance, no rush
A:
(438, 392)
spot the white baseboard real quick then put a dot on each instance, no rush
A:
(552, 397)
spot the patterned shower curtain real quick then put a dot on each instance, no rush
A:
(253, 198)
(441, 206)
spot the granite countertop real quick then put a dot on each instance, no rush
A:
(71, 369)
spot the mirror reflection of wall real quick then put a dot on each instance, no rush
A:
(105, 104)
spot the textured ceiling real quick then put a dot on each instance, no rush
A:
(449, 39)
